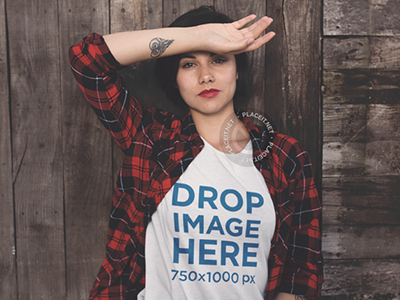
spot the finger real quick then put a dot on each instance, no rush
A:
(243, 22)
(260, 26)
(260, 41)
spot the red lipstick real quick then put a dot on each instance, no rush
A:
(209, 93)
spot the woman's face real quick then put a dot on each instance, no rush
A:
(207, 82)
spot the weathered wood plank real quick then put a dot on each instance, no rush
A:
(361, 17)
(344, 139)
(173, 9)
(362, 53)
(8, 277)
(361, 139)
(354, 278)
(87, 156)
(135, 15)
(383, 144)
(292, 78)
(361, 201)
(37, 148)
(362, 214)
(361, 86)
(361, 242)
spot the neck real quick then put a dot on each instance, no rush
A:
(222, 130)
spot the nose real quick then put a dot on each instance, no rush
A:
(206, 76)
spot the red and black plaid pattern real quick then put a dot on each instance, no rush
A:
(158, 148)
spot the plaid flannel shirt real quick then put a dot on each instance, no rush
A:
(159, 147)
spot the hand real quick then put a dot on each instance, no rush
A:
(232, 38)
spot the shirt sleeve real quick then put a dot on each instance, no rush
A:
(95, 70)
(303, 267)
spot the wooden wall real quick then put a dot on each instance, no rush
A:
(361, 148)
(57, 163)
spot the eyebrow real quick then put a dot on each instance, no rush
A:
(191, 56)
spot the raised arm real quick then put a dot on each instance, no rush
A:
(95, 60)
(135, 46)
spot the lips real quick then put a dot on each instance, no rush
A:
(209, 93)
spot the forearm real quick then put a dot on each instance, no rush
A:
(135, 46)
(234, 38)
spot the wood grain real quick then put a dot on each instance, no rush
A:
(361, 139)
(362, 53)
(37, 148)
(352, 279)
(361, 86)
(8, 276)
(361, 201)
(173, 9)
(361, 17)
(293, 64)
(360, 242)
(87, 156)
(361, 97)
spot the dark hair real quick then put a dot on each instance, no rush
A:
(166, 68)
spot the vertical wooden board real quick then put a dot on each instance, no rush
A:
(237, 10)
(293, 73)
(37, 148)
(8, 279)
(134, 15)
(87, 156)
(172, 9)
(361, 17)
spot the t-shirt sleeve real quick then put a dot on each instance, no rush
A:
(95, 70)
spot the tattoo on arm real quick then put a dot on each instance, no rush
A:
(158, 46)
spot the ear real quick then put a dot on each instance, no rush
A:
(237, 75)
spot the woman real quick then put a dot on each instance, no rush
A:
(188, 221)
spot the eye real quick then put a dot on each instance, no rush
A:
(187, 65)
(219, 60)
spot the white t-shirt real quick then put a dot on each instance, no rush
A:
(210, 236)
